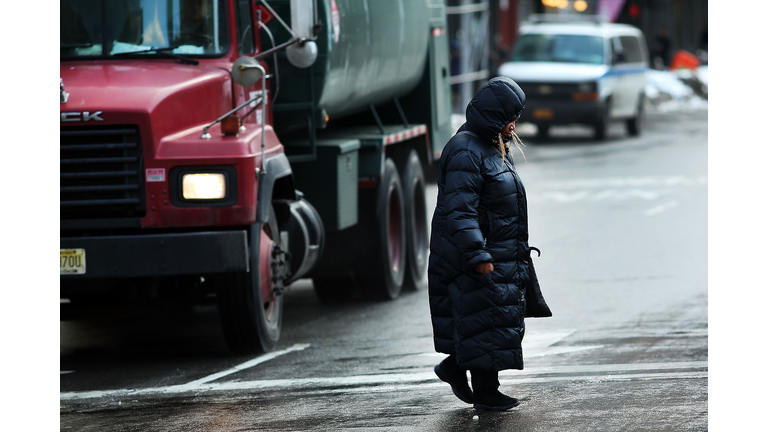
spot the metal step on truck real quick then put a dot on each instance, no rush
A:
(227, 148)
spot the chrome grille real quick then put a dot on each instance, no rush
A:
(101, 173)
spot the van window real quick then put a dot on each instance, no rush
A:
(616, 49)
(559, 48)
(631, 45)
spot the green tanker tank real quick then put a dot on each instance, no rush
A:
(363, 125)
(369, 53)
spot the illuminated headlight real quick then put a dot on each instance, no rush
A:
(203, 186)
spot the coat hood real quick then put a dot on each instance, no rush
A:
(497, 103)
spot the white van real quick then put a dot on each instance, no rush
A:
(587, 72)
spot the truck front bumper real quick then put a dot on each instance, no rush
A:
(161, 254)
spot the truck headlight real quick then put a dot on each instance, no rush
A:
(203, 186)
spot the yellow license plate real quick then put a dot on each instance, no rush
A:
(543, 114)
(72, 261)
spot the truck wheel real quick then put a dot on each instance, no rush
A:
(417, 238)
(250, 310)
(386, 280)
(635, 124)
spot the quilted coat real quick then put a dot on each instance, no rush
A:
(481, 216)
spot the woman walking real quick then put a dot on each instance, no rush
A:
(479, 254)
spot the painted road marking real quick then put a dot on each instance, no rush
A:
(399, 382)
(648, 188)
(246, 365)
(539, 344)
(660, 209)
(191, 386)
(534, 345)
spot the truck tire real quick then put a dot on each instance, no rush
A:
(251, 312)
(416, 234)
(385, 281)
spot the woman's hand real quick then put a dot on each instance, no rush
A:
(484, 268)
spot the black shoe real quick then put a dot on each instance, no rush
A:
(494, 400)
(458, 383)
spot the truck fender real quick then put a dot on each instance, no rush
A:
(275, 167)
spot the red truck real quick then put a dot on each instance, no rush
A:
(227, 148)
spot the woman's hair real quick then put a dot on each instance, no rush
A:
(518, 143)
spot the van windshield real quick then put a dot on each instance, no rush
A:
(100, 28)
(559, 48)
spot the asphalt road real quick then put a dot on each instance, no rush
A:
(622, 226)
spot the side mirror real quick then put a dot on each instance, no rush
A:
(303, 18)
(246, 71)
(304, 53)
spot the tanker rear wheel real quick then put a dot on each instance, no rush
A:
(417, 237)
(386, 237)
(251, 312)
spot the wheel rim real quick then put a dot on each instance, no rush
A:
(394, 224)
(268, 298)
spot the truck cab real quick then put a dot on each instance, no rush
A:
(211, 151)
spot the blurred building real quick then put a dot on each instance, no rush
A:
(482, 33)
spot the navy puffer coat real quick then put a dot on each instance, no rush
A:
(481, 216)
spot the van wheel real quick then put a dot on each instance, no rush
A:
(542, 132)
(635, 124)
(603, 122)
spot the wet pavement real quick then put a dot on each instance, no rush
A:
(623, 231)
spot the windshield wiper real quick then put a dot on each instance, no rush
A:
(162, 51)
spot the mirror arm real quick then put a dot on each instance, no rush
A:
(258, 99)
(282, 46)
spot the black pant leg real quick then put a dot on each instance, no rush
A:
(484, 380)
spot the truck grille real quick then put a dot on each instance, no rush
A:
(101, 173)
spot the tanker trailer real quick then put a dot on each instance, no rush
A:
(360, 126)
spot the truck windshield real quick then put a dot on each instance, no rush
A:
(101, 28)
(559, 48)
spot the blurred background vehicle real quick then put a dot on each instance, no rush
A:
(583, 71)
(483, 33)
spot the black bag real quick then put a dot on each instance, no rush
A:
(535, 306)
